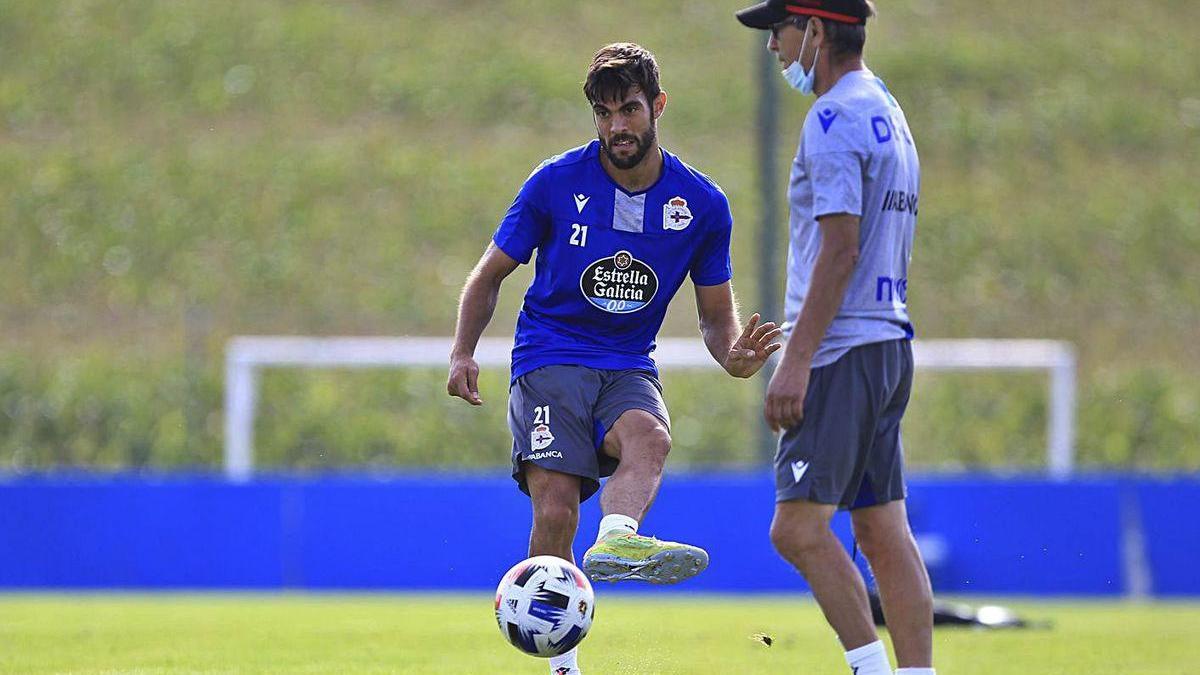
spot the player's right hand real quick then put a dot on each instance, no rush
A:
(464, 379)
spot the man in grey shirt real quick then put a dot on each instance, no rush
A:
(842, 386)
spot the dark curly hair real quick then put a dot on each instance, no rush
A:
(617, 69)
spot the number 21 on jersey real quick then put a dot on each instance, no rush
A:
(578, 234)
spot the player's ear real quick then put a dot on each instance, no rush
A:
(660, 103)
(818, 31)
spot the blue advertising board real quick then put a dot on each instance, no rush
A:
(433, 531)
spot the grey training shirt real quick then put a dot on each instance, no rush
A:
(856, 156)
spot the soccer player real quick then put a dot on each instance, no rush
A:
(617, 224)
(843, 382)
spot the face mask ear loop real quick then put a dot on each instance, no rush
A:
(795, 74)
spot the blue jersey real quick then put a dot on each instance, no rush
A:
(609, 261)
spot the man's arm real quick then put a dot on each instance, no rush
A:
(831, 275)
(741, 352)
(475, 308)
(835, 265)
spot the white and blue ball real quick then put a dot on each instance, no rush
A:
(544, 606)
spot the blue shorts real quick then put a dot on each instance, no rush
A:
(847, 450)
(559, 416)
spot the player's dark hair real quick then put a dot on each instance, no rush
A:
(846, 39)
(619, 68)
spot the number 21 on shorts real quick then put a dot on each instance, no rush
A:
(542, 437)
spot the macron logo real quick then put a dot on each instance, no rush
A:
(799, 469)
(827, 117)
(581, 201)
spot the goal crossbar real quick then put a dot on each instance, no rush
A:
(246, 356)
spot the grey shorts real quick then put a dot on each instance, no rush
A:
(559, 416)
(847, 450)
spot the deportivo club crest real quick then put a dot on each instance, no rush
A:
(620, 284)
(541, 438)
(676, 215)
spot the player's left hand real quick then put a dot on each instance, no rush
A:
(784, 407)
(752, 348)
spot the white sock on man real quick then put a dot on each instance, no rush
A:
(869, 659)
(915, 671)
(566, 661)
(615, 523)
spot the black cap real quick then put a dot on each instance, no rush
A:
(767, 14)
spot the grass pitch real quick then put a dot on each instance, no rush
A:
(166, 634)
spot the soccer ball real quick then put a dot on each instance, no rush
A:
(544, 606)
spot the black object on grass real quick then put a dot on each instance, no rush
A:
(960, 614)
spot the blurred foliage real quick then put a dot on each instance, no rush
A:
(172, 174)
(115, 411)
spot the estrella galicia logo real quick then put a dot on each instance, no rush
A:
(620, 284)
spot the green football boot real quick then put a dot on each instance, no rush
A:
(623, 557)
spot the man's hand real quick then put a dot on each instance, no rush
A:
(464, 379)
(784, 407)
(752, 348)
(475, 309)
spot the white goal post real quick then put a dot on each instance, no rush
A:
(246, 356)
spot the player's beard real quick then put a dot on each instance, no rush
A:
(643, 143)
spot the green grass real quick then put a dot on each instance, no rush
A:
(166, 634)
(174, 173)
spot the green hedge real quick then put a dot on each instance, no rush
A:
(175, 173)
(121, 413)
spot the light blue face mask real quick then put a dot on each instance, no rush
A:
(794, 74)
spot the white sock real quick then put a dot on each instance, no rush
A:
(915, 671)
(869, 659)
(557, 663)
(615, 523)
